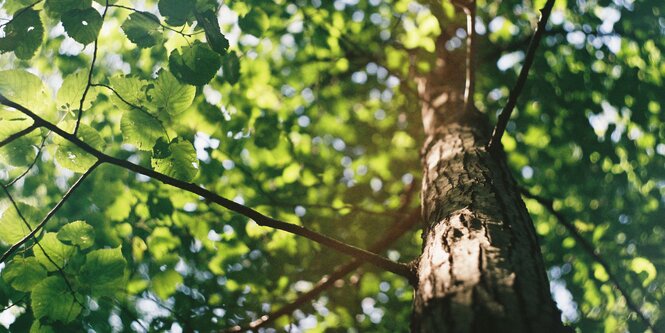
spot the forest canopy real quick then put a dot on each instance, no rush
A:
(219, 166)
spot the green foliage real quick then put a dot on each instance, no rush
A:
(23, 35)
(196, 65)
(77, 233)
(313, 119)
(176, 159)
(73, 157)
(24, 273)
(51, 299)
(171, 96)
(82, 24)
(176, 12)
(143, 29)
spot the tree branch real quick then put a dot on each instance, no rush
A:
(18, 135)
(589, 248)
(502, 122)
(50, 214)
(262, 220)
(394, 233)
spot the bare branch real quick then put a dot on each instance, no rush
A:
(502, 122)
(50, 214)
(262, 220)
(589, 248)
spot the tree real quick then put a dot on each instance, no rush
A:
(199, 166)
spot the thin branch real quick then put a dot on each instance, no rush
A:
(48, 256)
(262, 220)
(589, 248)
(394, 232)
(92, 68)
(502, 122)
(14, 303)
(50, 214)
(18, 135)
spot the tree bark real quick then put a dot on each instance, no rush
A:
(481, 269)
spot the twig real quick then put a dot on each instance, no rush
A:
(502, 122)
(92, 68)
(589, 248)
(395, 231)
(262, 220)
(18, 135)
(50, 214)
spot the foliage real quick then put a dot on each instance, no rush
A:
(307, 111)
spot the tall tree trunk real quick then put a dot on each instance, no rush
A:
(481, 269)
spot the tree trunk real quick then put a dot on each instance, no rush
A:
(481, 269)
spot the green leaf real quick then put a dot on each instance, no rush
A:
(24, 273)
(176, 12)
(12, 227)
(165, 283)
(72, 157)
(70, 93)
(82, 24)
(140, 129)
(130, 88)
(197, 65)
(11, 7)
(177, 159)
(38, 327)
(103, 266)
(28, 90)
(55, 250)
(143, 29)
(642, 265)
(256, 22)
(11, 122)
(77, 233)
(21, 151)
(23, 35)
(57, 8)
(267, 132)
(231, 68)
(170, 95)
(214, 36)
(51, 298)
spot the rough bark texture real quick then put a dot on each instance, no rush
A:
(481, 269)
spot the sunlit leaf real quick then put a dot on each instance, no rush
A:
(176, 159)
(24, 273)
(77, 233)
(52, 299)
